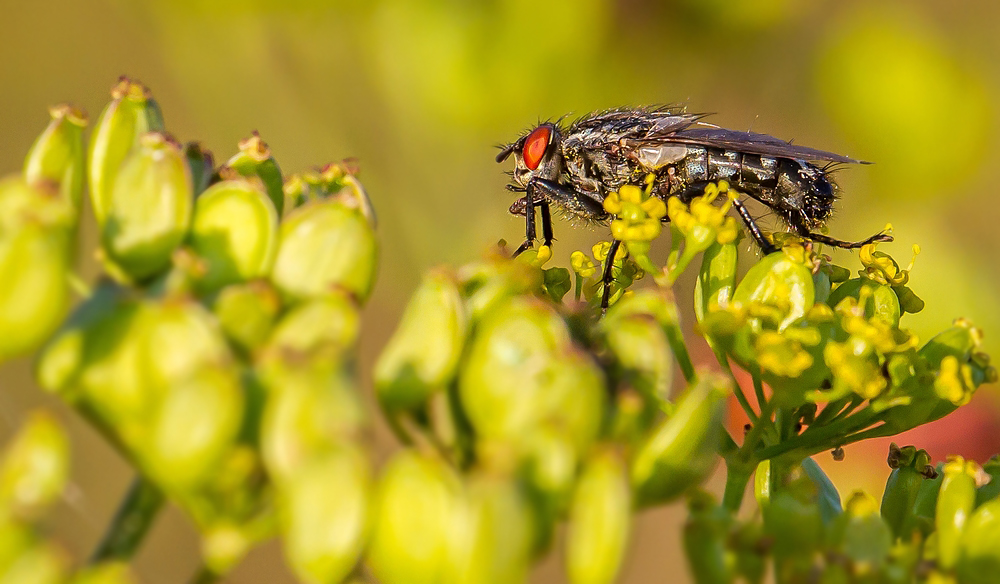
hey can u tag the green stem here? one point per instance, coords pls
(740, 396)
(738, 475)
(579, 287)
(758, 388)
(821, 438)
(131, 522)
(676, 340)
(831, 411)
(758, 429)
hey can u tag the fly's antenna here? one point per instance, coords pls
(505, 151)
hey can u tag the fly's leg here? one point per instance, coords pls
(755, 232)
(608, 276)
(804, 232)
(546, 224)
(572, 200)
(529, 221)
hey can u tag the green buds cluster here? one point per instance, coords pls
(216, 351)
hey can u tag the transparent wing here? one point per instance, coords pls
(750, 143)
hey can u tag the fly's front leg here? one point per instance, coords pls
(804, 232)
(569, 199)
(529, 221)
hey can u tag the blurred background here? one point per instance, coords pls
(420, 92)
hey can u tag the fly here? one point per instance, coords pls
(574, 168)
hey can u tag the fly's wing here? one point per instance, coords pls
(750, 143)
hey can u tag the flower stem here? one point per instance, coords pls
(740, 396)
(738, 475)
(131, 522)
(822, 438)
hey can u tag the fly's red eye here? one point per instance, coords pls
(535, 145)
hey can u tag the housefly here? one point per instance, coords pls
(574, 167)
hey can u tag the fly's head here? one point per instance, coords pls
(536, 155)
(809, 191)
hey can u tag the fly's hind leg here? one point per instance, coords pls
(607, 277)
(804, 232)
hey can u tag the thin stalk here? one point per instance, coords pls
(830, 411)
(131, 522)
(756, 432)
(820, 436)
(676, 340)
(758, 388)
(738, 475)
(737, 389)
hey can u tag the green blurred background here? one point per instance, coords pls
(421, 92)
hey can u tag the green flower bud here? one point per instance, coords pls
(329, 324)
(36, 204)
(149, 208)
(324, 509)
(202, 165)
(492, 540)
(247, 313)
(119, 357)
(254, 160)
(959, 341)
(910, 467)
(311, 409)
(954, 506)
(879, 300)
(861, 535)
(422, 356)
(680, 452)
(522, 369)
(106, 573)
(599, 520)
(34, 468)
(643, 358)
(705, 537)
(782, 280)
(57, 154)
(131, 113)
(717, 278)
(490, 283)
(924, 506)
(234, 229)
(557, 283)
(549, 468)
(419, 511)
(979, 562)
(34, 295)
(324, 246)
(194, 426)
